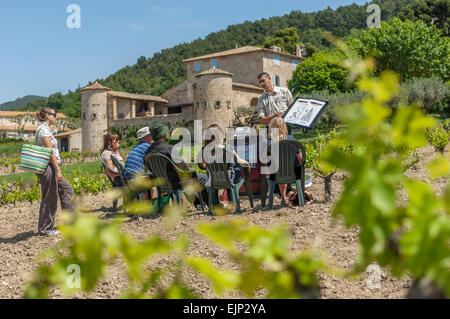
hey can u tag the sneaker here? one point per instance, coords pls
(285, 203)
(199, 207)
(49, 233)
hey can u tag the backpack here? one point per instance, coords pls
(293, 198)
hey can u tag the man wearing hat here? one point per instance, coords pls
(160, 133)
(135, 160)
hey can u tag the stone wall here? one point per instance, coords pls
(123, 108)
(172, 121)
(75, 142)
(177, 95)
(244, 97)
(284, 70)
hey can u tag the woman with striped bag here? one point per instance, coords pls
(53, 184)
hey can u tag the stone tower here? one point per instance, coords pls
(94, 121)
(213, 94)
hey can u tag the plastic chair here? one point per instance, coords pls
(159, 165)
(286, 173)
(107, 169)
(122, 170)
(220, 180)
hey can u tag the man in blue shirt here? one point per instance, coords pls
(135, 160)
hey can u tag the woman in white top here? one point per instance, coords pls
(53, 184)
(111, 144)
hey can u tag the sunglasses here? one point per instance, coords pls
(54, 114)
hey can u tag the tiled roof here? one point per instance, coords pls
(78, 130)
(140, 97)
(242, 50)
(15, 128)
(248, 86)
(14, 113)
(213, 71)
(95, 86)
(173, 88)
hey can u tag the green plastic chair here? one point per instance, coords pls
(221, 180)
(286, 173)
(121, 170)
(159, 165)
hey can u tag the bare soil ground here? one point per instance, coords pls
(311, 225)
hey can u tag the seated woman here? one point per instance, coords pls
(216, 138)
(280, 124)
(111, 146)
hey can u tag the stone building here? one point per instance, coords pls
(23, 124)
(216, 85)
(101, 107)
(244, 64)
(69, 141)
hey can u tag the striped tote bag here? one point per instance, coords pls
(35, 158)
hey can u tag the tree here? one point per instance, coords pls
(411, 49)
(320, 72)
(431, 12)
(287, 39)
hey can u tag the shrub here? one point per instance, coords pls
(410, 49)
(320, 72)
(335, 99)
(428, 93)
(438, 137)
(431, 94)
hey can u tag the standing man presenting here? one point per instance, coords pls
(273, 102)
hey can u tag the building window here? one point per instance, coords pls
(120, 116)
(198, 66)
(217, 105)
(294, 64)
(175, 110)
(204, 104)
(214, 63)
(276, 60)
(84, 116)
(276, 80)
(229, 104)
(94, 116)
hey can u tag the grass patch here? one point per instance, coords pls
(310, 136)
(10, 149)
(68, 170)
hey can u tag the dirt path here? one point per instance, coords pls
(311, 225)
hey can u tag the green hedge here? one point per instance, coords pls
(431, 94)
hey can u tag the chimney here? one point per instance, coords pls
(275, 48)
(298, 50)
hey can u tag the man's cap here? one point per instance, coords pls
(159, 131)
(143, 132)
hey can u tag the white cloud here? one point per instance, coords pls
(135, 27)
(193, 25)
(159, 9)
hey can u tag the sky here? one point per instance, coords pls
(41, 55)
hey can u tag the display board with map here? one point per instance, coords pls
(304, 112)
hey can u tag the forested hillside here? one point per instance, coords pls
(20, 102)
(156, 74)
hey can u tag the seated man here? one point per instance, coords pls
(135, 160)
(160, 133)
